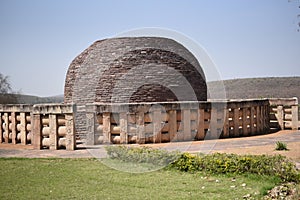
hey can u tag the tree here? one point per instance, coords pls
(5, 86)
(7, 95)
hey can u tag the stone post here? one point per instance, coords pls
(245, 121)
(200, 131)
(157, 120)
(258, 119)
(13, 128)
(187, 133)
(90, 128)
(180, 132)
(37, 131)
(123, 128)
(262, 119)
(253, 129)
(23, 128)
(213, 123)
(106, 128)
(70, 129)
(226, 124)
(267, 118)
(173, 125)
(1, 129)
(295, 119)
(140, 126)
(280, 117)
(6, 127)
(236, 121)
(53, 135)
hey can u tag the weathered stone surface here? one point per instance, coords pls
(95, 73)
(133, 69)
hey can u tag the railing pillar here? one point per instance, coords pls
(187, 133)
(23, 128)
(226, 124)
(37, 131)
(173, 125)
(267, 118)
(140, 127)
(280, 117)
(253, 129)
(258, 119)
(70, 136)
(236, 121)
(106, 128)
(245, 121)
(157, 126)
(1, 129)
(213, 124)
(13, 128)
(123, 128)
(200, 133)
(90, 128)
(53, 136)
(6, 127)
(295, 120)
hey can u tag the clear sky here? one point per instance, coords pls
(245, 38)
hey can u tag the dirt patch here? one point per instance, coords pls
(292, 153)
(263, 144)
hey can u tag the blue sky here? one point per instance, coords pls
(249, 38)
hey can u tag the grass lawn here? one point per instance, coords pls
(22, 178)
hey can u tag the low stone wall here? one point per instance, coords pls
(175, 121)
(284, 113)
(52, 126)
(15, 121)
(43, 126)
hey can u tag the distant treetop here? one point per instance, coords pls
(5, 86)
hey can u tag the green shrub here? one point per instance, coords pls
(231, 163)
(217, 163)
(281, 146)
(141, 155)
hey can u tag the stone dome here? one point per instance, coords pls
(135, 69)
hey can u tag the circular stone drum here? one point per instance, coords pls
(135, 69)
(131, 70)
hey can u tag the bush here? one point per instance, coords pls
(217, 163)
(141, 155)
(231, 163)
(280, 146)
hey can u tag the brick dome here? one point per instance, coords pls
(135, 69)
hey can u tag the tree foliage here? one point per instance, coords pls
(5, 86)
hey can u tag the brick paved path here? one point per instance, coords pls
(196, 146)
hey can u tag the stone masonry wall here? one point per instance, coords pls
(133, 69)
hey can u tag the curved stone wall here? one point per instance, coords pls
(132, 70)
(137, 69)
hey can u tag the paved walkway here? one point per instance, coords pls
(247, 142)
(195, 146)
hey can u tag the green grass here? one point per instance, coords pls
(90, 179)
(281, 146)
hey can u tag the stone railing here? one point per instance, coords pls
(43, 126)
(52, 126)
(284, 113)
(175, 121)
(15, 121)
